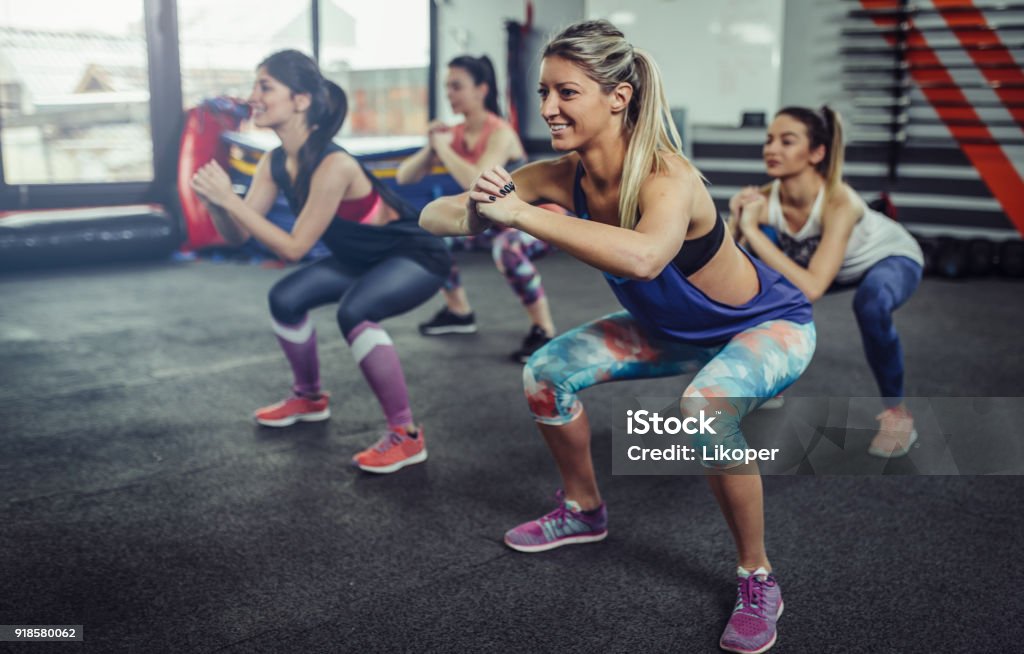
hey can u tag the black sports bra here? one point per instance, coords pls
(694, 254)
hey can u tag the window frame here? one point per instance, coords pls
(166, 122)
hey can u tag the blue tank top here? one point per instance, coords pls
(671, 306)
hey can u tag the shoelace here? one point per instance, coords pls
(559, 516)
(561, 513)
(387, 441)
(750, 594)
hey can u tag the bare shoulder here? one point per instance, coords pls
(508, 141)
(844, 201)
(843, 209)
(341, 161)
(677, 174)
(559, 166)
(505, 132)
(677, 169)
(549, 179)
(687, 189)
(338, 165)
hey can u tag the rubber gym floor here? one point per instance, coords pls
(138, 499)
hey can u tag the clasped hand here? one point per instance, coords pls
(493, 198)
(213, 184)
(749, 205)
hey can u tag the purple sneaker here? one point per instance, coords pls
(565, 525)
(751, 629)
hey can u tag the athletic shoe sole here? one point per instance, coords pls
(291, 420)
(767, 647)
(452, 329)
(394, 467)
(877, 451)
(570, 540)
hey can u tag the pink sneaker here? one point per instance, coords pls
(896, 435)
(566, 525)
(293, 409)
(751, 628)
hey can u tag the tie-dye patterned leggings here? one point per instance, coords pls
(513, 252)
(734, 378)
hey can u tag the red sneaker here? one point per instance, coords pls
(395, 450)
(293, 409)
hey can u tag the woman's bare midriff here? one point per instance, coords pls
(384, 215)
(729, 277)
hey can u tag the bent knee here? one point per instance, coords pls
(871, 304)
(284, 308)
(550, 399)
(350, 317)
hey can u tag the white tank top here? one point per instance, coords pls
(874, 237)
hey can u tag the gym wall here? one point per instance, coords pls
(737, 56)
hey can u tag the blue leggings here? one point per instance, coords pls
(883, 289)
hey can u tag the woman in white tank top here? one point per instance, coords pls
(828, 238)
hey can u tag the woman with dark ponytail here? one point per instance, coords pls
(827, 237)
(382, 264)
(693, 302)
(481, 141)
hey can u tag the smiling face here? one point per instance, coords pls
(273, 103)
(787, 148)
(574, 106)
(464, 95)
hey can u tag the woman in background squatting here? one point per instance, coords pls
(827, 237)
(382, 264)
(694, 301)
(483, 140)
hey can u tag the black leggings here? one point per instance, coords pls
(390, 288)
